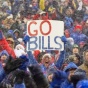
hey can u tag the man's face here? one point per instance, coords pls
(16, 34)
(75, 50)
(76, 60)
(70, 74)
(10, 43)
(46, 62)
(3, 57)
(86, 56)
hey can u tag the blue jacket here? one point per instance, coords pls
(2, 73)
(25, 63)
(60, 61)
(66, 84)
(69, 66)
(31, 58)
(82, 84)
(3, 76)
(22, 85)
(58, 78)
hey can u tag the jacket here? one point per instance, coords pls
(5, 46)
(85, 68)
(66, 84)
(58, 78)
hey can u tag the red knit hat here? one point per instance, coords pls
(36, 53)
(78, 27)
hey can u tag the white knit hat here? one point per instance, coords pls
(47, 55)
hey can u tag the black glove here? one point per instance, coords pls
(19, 74)
(29, 81)
(38, 76)
(12, 64)
(5, 85)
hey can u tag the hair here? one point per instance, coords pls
(46, 56)
(85, 52)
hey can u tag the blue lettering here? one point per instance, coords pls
(39, 42)
(32, 43)
(49, 43)
(55, 39)
(43, 43)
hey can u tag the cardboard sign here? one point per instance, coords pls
(45, 35)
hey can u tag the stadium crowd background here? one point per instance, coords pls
(50, 68)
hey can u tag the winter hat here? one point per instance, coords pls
(10, 33)
(20, 40)
(5, 3)
(70, 41)
(78, 27)
(82, 43)
(47, 55)
(10, 39)
(16, 30)
(10, 16)
(36, 53)
(75, 46)
(82, 84)
(4, 52)
(19, 46)
(19, 50)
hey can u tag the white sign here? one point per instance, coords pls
(45, 35)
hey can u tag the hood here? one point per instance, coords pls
(4, 52)
(16, 30)
(71, 65)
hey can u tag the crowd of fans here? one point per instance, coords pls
(50, 68)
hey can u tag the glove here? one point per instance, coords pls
(26, 39)
(38, 76)
(5, 85)
(29, 82)
(25, 63)
(63, 39)
(1, 35)
(20, 74)
(12, 64)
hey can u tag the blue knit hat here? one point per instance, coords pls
(4, 52)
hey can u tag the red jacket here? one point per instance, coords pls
(5, 46)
